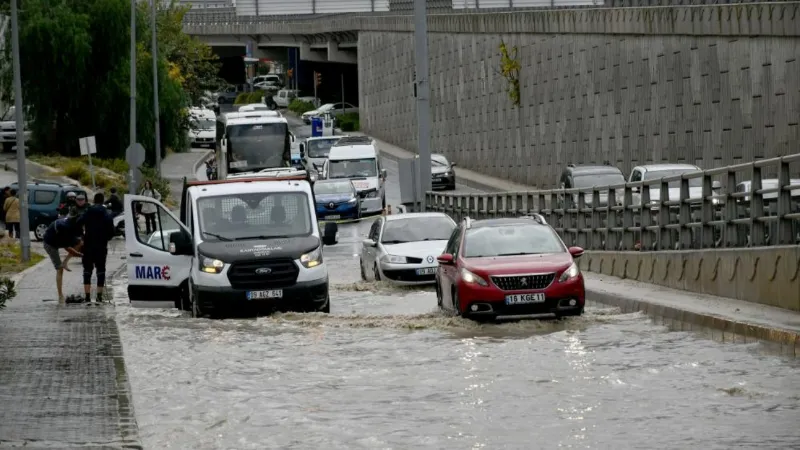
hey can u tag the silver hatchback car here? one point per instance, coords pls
(402, 248)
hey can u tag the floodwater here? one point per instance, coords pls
(385, 370)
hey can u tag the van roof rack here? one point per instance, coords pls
(353, 140)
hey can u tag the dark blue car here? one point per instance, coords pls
(337, 200)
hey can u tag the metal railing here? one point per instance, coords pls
(761, 211)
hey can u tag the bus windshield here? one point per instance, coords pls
(257, 146)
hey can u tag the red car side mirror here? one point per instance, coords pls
(445, 259)
(576, 252)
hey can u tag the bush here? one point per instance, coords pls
(242, 99)
(299, 107)
(7, 291)
(348, 122)
(255, 97)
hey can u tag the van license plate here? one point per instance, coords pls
(261, 295)
(426, 271)
(524, 299)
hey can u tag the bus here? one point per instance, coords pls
(252, 141)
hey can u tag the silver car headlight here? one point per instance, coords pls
(393, 259)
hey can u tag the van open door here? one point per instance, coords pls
(156, 277)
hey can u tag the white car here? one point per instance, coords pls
(402, 248)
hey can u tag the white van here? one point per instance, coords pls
(284, 97)
(202, 131)
(252, 141)
(243, 243)
(357, 158)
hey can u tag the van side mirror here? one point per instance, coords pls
(331, 234)
(302, 150)
(383, 173)
(180, 243)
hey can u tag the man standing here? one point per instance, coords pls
(80, 204)
(61, 234)
(114, 203)
(98, 229)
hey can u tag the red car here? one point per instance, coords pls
(509, 267)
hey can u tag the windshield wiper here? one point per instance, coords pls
(515, 254)
(394, 242)
(221, 238)
(261, 236)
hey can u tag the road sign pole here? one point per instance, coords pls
(315, 86)
(19, 112)
(423, 100)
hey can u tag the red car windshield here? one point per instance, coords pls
(510, 240)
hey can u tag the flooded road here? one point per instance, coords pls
(385, 370)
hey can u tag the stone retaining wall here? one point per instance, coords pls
(768, 275)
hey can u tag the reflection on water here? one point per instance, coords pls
(385, 370)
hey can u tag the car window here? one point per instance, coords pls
(510, 240)
(417, 229)
(598, 179)
(158, 234)
(43, 197)
(452, 244)
(375, 230)
(259, 215)
(636, 176)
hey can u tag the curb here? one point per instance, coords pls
(18, 277)
(200, 162)
(721, 329)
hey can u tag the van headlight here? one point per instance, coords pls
(312, 258)
(571, 272)
(392, 259)
(210, 265)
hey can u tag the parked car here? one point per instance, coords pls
(8, 129)
(45, 200)
(335, 109)
(443, 174)
(657, 171)
(228, 95)
(509, 267)
(402, 248)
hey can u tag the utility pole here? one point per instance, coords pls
(423, 100)
(133, 167)
(155, 85)
(19, 113)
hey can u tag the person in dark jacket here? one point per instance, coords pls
(61, 234)
(114, 203)
(98, 229)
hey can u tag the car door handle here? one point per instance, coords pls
(136, 255)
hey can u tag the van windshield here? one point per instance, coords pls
(257, 146)
(202, 124)
(353, 168)
(254, 216)
(320, 148)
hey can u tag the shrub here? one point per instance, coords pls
(75, 170)
(299, 107)
(7, 291)
(255, 97)
(348, 122)
(242, 98)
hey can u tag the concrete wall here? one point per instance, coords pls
(768, 275)
(713, 85)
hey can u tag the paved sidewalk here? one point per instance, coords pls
(178, 165)
(63, 382)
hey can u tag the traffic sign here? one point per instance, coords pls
(135, 155)
(88, 145)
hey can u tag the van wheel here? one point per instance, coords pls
(376, 273)
(182, 302)
(197, 313)
(361, 266)
(383, 202)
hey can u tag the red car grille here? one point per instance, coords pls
(524, 282)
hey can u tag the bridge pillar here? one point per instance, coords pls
(335, 54)
(309, 54)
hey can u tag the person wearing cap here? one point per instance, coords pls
(98, 229)
(61, 234)
(69, 202)
(80, 205)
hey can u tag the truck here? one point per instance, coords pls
(239, 244)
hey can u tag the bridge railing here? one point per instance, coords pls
(759, 205)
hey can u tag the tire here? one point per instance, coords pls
(194, 305)
(39, 230)
(361, 266)
(456, 304)
(182, 302)
(452, 187)
(570, 314)
(383, 201)
(376, 273)
(439, 302)
(327, 308)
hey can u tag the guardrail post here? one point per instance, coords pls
(542, 208)
(730, 236)
(611, 220)
(598, 236)
(519, 204)
(552, 217)
(667, 234)
(757, 237)
(582, 239)
(530, 203)
(684, 216)
(628, 237)
(646, 221)
(784, 232)
(707, 210)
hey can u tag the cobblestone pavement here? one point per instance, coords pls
(63, 382)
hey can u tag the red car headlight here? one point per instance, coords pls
(572, 272)
(471, 278)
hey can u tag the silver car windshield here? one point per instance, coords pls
(510, 240)
(417, 229)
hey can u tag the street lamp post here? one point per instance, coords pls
(423, 100)
(131, 165)
(19, 113)
(155, 85)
